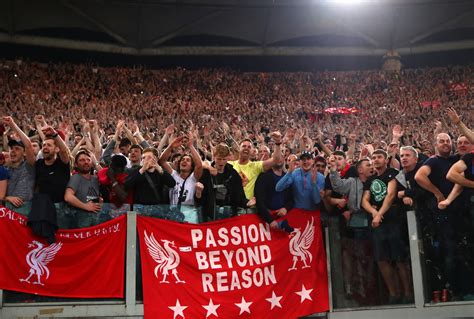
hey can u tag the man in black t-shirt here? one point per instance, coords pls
(380, 192)
(432, 177)
(220, 192)
(462, 173)
(466, 166)
(53, 173)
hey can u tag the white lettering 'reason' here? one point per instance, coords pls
(237, 235)
(235, 280)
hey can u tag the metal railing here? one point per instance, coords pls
(131, 307)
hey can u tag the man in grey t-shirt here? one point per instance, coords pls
(22, 171)
(82, 192)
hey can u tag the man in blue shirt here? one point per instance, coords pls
(305, 182)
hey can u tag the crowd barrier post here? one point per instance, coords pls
(130, 263)
(416, 246)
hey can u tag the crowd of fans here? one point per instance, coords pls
(91, 143)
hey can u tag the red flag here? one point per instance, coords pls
(82, 263)
(234, 268)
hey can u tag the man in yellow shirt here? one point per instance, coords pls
(249, 170)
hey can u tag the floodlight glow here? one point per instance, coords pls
(345, 1)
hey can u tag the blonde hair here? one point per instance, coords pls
(221, 150)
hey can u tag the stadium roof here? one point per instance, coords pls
(241, 27)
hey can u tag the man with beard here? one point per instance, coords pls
(271, 204)
(306, 183)
(82, 192)
(21, 171)
(220, 192)
(249, 170)
(189, 171)
(380, 192)
(432, 177)
(53, 173)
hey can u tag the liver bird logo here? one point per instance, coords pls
(38, 259)
(166, 257)
(300, 243)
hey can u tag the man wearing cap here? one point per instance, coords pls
(53, 173)
(21, 171)
(306, 183)
(117, 201)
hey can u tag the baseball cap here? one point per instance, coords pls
(306, 154)
(118, 161)
(13, 143)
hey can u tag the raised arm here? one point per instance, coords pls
(455, 119)
(166, 137)
(64, 153)
(29, 152)
(139, 137)
(39, 123)
(324, 148)
(276, 156)
(94, 127)
(196, 157)
(163, 161)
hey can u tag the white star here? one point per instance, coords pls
(304, 294)
(211, 309)
(178, 309)
(244, 306)
(274, 300)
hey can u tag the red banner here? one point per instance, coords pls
(82, 263)
(234, 268)
(459, 88)
(433, 104)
